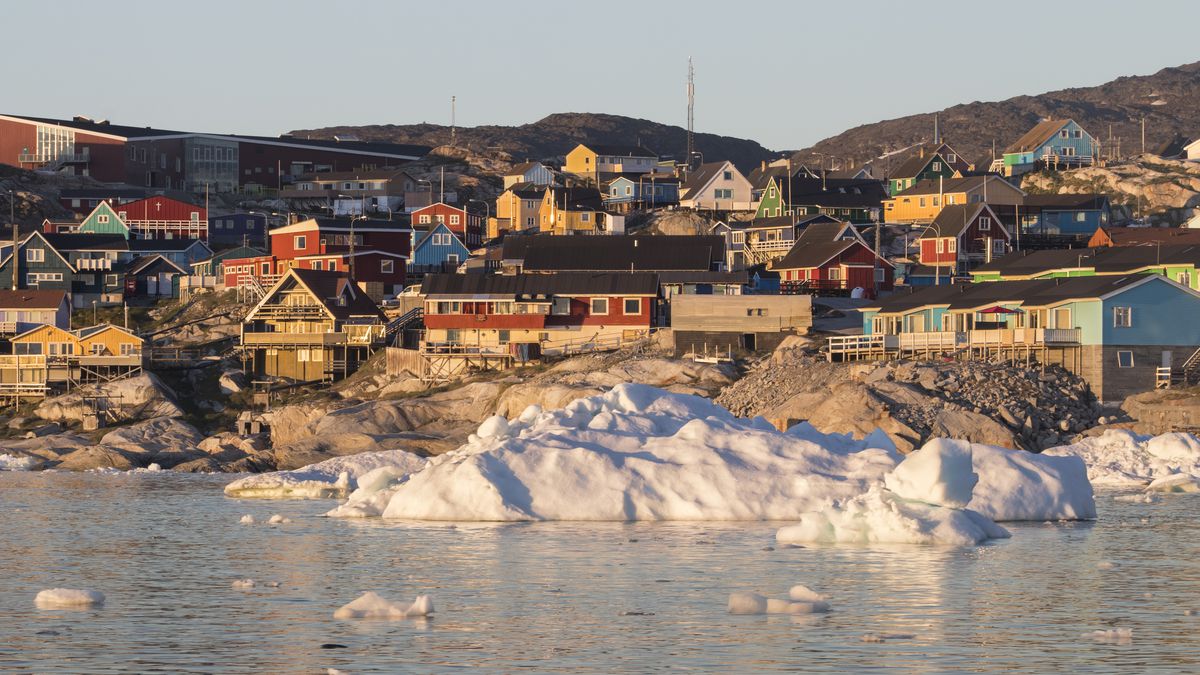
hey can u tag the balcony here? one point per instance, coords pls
(941, 342)
(293, 339)
(40, 159)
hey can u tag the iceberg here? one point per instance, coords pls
(18, 462)
(1122, 458)
(332, 478)
(371, 605)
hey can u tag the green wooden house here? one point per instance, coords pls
(1178, 262)
(848, 199)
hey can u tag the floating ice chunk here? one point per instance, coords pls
(747, 603)
(1137, 499)
(1178, 482)
(332, 478)
(1020, 485)
(1120, 457)
(278, 520)
(880, 517)
(1106, 565)
(884, 637)
(801, 593)
(67, 598)
(17, 463)
(939, 473)
(371, 605)
(244, 583)
(1117, 636)
(246, 519)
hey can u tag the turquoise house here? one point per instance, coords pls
(104, 220)
(438, 250)
(1121, 334)
(1051, 144)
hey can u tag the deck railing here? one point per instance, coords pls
(946, 341)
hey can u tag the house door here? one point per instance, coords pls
(1167, 358)
(748, 341)
(151, 285)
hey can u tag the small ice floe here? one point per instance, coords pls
(1115, 636)
(1189, 612)
(371, 605)
(246, 519)
(1106, 565)
(335, 671)
(1176, 482)
(1146, 498)
(68, 598)
(800, 600)
(884, 637)
(332, 478)
(637, 613)
(17, 463)
(244, 584)
(279, 520)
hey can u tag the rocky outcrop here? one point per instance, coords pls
(983, 402)
(1165, 191)
(140, 397)
(1163, 411)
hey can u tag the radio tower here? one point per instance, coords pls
(691, 91)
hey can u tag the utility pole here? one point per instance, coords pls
(453, 129)
(691, 109)
(12, 218)
(1143, 134)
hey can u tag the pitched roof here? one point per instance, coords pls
(1140, 236)
(328, 286)
(469, 286)
(522, 168)
(87, 242)
(173, 245)
(617, 253)
(953, 220)
(696, 180)
(1030, 293)
(964, 184)
(815, 254)
(834, 192)
(1035, 137)
(1110, 260)
(576, 198)
(1066, 201)
(31, 299)
(142, 264)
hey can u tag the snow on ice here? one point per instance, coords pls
(334, 477)
(1120, 457)
(17, 462)
(68, 598)
(371, 605)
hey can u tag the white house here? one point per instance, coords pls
(1192, 151)
(529, 172)
(716, 186)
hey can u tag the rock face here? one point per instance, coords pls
(1163, 411)
(983, 402)
(141, 397)
(1164, 190)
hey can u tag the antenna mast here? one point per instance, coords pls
(452, 127)
(691, 95)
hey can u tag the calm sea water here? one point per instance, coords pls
(590, 598)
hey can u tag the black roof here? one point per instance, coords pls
(576, 198)
(100, 126)
(702, 175)
(533, 286)
(1034, 292)
(104, 193)
(328, 286)
(620, 150)
(616, 253)
(806, 256)
(1112, 260)
(953, 219)
(1067, 201)
(834, 192)
(70, 241)
(161, 244)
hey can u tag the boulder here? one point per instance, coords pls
(99, 457)
(231, 382)
(140, 397)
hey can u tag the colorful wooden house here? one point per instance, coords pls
(22, 310)
(311, 325)
(597, 162)
(930, 162)
(716, 186)
(1051, 144)
(436, 251)
(468, 226)
(1116, 332)
(921, 203)
(517, 209)
(641, 191)
(532, 173)
(570, 211)
(853, 200)
(1178, 262)
(835, 267)
(962, 236)
(1079, 215)
(71, 357)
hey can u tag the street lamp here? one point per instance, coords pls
(267, 225)
(487, 211)
(93, 312)
(430, 184)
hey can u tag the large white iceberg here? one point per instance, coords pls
(332, 478)
(1120, 457)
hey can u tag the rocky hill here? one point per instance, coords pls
(555, 135)
(1162, 191)
(1166, 99)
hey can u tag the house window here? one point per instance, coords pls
(332, 265)
(128, 349)
(835, 274)
(772, 193)
(952, 246)
(937, 166)
(452, 258)
(599, 305)
(998, 247)
(921, 202)
(386, 266)
(952, 158)
(266, 268)
(585, 217)
(1063, 133)
(1122, 317)
(102, 219)
(561, 307)
(880, 275)
(1124, 359)
(110, 280)
(299, 242)
(728, 175)
(937, 201)
(633, 305)
(505, 336)
(738, 237)
(35, 255)
(941, 245)
(423, 219)
(985, 223)
(454, 219)
(316, 265)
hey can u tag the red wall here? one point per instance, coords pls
(107, 162)
(135, 168)
(469, 227)
(261, 161)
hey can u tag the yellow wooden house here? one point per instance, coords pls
(95, 354)
(570, 211)
(597, 162)
(922, 202)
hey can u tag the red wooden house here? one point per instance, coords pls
(963, 235)
(468, 226)
(492, 311)
(163, 218)
(833, 267)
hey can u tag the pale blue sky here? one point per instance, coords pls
(786, 74)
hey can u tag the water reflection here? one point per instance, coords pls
(576, 597)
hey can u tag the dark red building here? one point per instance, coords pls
(468, 226)
(833, 267)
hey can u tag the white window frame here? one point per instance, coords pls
(985, 223)
(455, 219)
(625, 306)
(35, 255)
(387, 266)
(102, 219)
(1119, 359)
(1122, 317)
(592, 306)
(299, 242)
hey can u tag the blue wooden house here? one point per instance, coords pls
(436, 251)
(640, 191)
(1117, 333)
(1066, 214)
(237, 229)
(1051, 144)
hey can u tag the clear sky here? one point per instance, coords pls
(786, 74)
